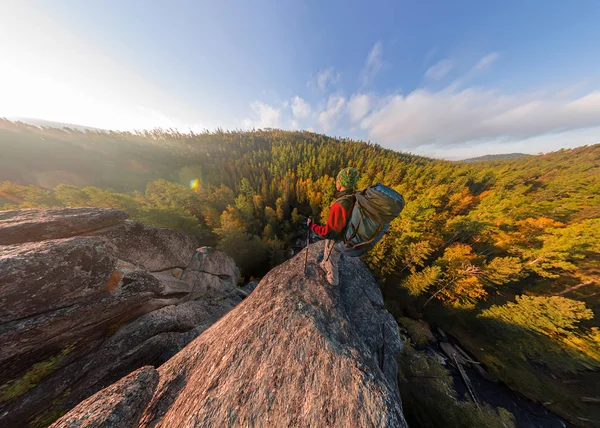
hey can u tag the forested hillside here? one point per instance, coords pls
(503, 254)
(496, 157)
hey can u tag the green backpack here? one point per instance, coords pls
(374, 209)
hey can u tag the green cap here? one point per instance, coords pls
(348, 178)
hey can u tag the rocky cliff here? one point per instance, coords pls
(90, 300)
(296, 352)
(87, 297)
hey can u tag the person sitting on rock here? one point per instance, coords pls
(339, 215)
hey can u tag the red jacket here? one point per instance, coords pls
(339, 215)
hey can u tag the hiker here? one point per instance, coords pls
(357, 220)
(339, 215)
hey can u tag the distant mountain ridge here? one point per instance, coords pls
(41, 123)
(52, 124)
(503, 156)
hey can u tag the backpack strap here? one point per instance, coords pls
(347, 201)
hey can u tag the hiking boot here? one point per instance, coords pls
(328, 273)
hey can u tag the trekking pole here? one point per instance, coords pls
(307, 244)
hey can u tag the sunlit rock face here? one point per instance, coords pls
(296, 352)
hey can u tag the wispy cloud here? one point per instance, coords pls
(430, 54)
(324, 78)
(373, 64)
(439, 70)
(486, 61)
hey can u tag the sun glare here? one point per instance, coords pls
(49, 74)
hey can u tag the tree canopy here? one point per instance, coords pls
(514, 240)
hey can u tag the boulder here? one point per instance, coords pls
(31, 225)
(215, 262)
(167, 329)
(76, 317)
(171, 285)
(50, 275)
(58, 293)
(296, 352)
(205, 284)
(150, 339)
(211, 273)
(251, 286)
(155, 249)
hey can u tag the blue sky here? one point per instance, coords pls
(445, 79)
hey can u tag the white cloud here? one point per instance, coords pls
(358, 107)
(329, 117)
(300, 108)
(324, 78)
(451, 117)
(450, 123)
(264, 116)
(486, 61)
(373, 64)
(439, 70)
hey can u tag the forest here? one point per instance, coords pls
(503, 254)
